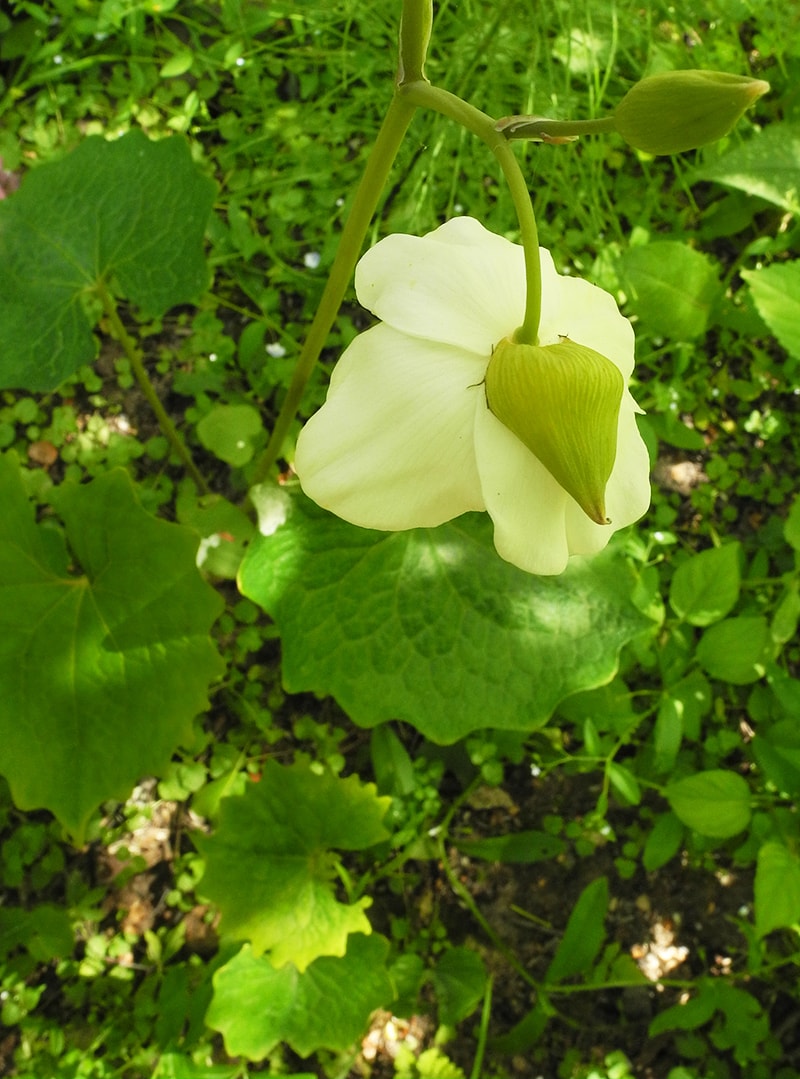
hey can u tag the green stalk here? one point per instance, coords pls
(433, 97)
(483, 1030)
(134, 356)
(379, 164)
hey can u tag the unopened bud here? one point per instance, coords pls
(681, 110)
(562, 401)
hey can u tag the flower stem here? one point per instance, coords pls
(379, 164)
(540, 129)
(434, 97)
(134, 357)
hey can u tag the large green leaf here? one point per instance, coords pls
(102, 670)
(129, 214)
(328, 1006)
(767, 166)
(776, 291)
(270, 865)
(431, 626)
(671, 288)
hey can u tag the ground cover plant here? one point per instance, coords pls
(285, 795)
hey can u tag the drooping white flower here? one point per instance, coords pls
(406, 439)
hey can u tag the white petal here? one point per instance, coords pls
(527, 505)
(586, 314)
(392, 447)
(628, 490)
(460, 285)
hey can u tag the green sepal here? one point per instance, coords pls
(681, 110)
(562, 401)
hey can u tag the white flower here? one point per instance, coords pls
(405, 438)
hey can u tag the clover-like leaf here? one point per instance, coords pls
(431, 626)
(102, 669)
(129, 214)
(270, 864)
(328, 1006)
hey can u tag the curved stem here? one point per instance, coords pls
(379, 164)
(433, 97)
(134, 356)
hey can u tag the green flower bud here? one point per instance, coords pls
(562, 401)
(681, 110)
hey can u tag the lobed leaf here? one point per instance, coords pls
(128, 213)
(104, 669)
(270, 866)
(407, 625)
(328, 1006)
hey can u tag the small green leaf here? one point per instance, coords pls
(45, 932)
(689, 1014)
(777, 751)
(663, 843)
(777, 889)
(129, 213)
(706, 587)
(328, 1006)
(693, 696)
(591, 739)
(584, 934)
(624, 782)
(230, 432)
(459, 979)
(735, 650)
(714, 803)
(783, 627)
(671, 287)
(102, 670)
(791, 530)
(522, 847)
(224, 528)
(776, 291)
(178, 64)
(396, 625)
(528, 1031)
(270, 865)
(667, 733)
(391, 764)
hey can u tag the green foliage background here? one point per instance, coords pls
(335, 717)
